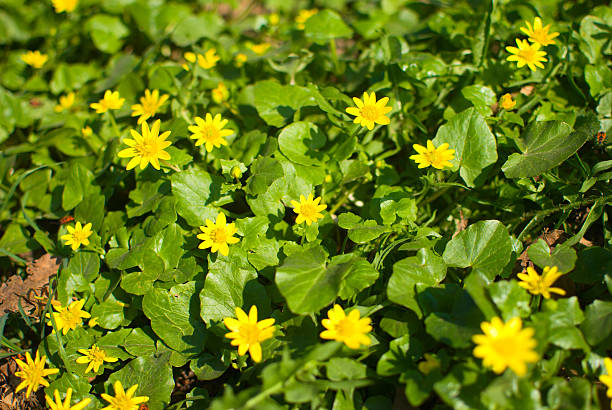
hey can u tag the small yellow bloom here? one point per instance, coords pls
(64, 5)
(541, 285)
(259, 49)
(505, 345)
(93, 322)
(69, 317)
(209, 59)
(308, 209)
(146, 148)
(527, 54)
(95, 357)
(273, 19)
(58, 405)
(77, 235)
(247, 333)
(123, 400)
(220, 93)
(351, 329)
(429, 364)
(303, 16)
(370, 111)
(34, 58)
(189, 57)
(607, 378)
(149, 105)
(217, 235)
(210, 132)
(436, 157)
(240, 59)
(65, 102)
(110, 101)
(506, 102)
(539, 34)
(236, 172)
(33, 373)
(86, 131)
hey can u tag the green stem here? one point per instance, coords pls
(334, 54)
(114, 124)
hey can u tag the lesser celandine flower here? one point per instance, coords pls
(607, 378)
(539, 34)
(110, 101)
(220, 93)
(370, 111)
(541, 285)
(429, 364)
(210, 131)
(64, 5)
(77, 235)
(349, 329)
(308, 209)
(65, 102)
(217, 235)
(95, 357)
(273, 19)
(33, 373)
(506, 102)
(259, 49)
(34, 58)
(247, 333)
(303, 16)
(86, 131)
(505, 345)
(123, 400)
(240, 59)
(69, 317)
(146, 148)
(526, 54)
(58, 405)
(149, 105)
(431, 156)
(208, 59)
(189, 57)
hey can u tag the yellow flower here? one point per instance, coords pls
(145, 148)
(350, 329)
(541, 285)
(210, 132)
(607, 378)
(527, 54)
(429, 364)
(123, 400)
(247, 333)
(34, 58)
(58, 405)
(370, 111)
(190, 57)
(217, 235)
(65, 102)
(436, 157)
(236, 172)
(539, 34)
(506, 102)
(303, 16)
(273, 19)
(64, 5)
(110, 101)
(149, 104)
(209, 59)
(69, 317)
(33, 373)
(240, 58)
(308, 209)
(259, 49)
(87, 131)
(77, 235)
(95, 357)
(220, 93)
(505, 345)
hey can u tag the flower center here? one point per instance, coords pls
(347, 328)
(70, 318)
(123, 402)
(149, 106)
(146, 149)
(209, 133)
(249, 333)
(505, 347)
(219, 235)
(369, 112)
(528, 54)
(78, 236)
(33, 374)
(308, 210)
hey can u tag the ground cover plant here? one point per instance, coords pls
(305, 204)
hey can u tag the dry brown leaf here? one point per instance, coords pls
(461, 224)
(527, 90)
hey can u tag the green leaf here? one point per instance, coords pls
(193, 28)
(481, 97)
(592, 266)
(112, 343)
(110, 313)
(326, 25)
(85, 264)
(449, 332)
(168, 245)
(140, 342)
(194, 189)
(484, 246)
(14, 239)
(300, 143)
(304, 274)
(78, 184)
(510, 299)
(546, 144)
(562, 257)
(360, 276)
(71, 77)
(225, 283)
(474, 144)
(264, 171)
(106, 32)
(341, 368)
(174, 317)
(277, 103)
(366, 231)
(597, 324)
(424, 269)
(598, 77)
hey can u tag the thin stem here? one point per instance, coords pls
(334, 54)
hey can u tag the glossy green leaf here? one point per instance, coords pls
(301, 141)
(326, 25)
(277, 103)
(194, 190)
